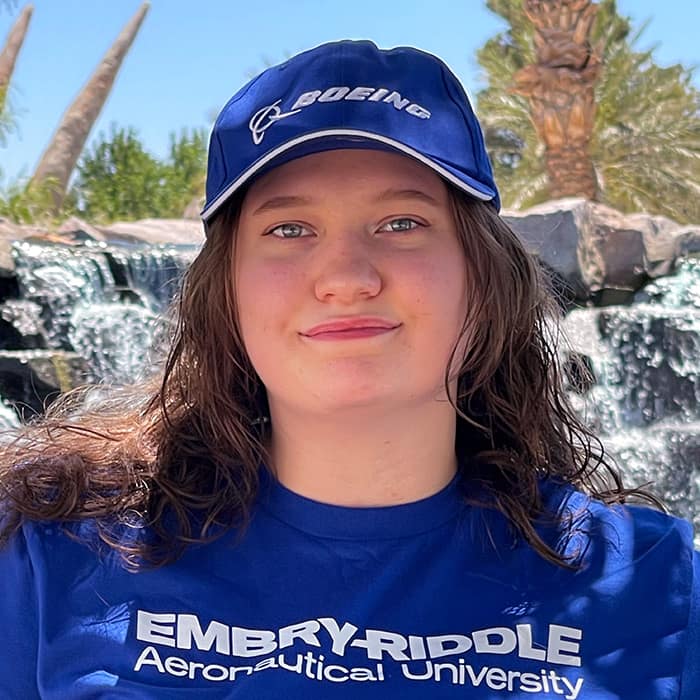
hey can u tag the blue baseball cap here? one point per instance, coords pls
(349, 94)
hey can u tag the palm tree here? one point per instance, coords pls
(571, 108)
(8, 58)
(62, 153)
(559, 87)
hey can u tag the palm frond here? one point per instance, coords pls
(646, 140)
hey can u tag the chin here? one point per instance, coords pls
(337, 396)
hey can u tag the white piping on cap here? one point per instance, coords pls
(211, 209)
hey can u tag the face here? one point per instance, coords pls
(350, 281)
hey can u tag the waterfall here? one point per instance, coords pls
(645, 402)
(102, 303)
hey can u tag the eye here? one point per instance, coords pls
(403, 224)
(287, 231)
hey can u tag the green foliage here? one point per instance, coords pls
(27, 204)
(185, 169)
(646, 143)
(515, 150)
(6, 119)
(117, 179)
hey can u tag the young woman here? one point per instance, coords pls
(357, 474)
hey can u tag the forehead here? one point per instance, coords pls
(349, 169)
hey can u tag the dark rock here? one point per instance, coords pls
(552, 233)
(80, 231)
(31, 379)
(604, 255)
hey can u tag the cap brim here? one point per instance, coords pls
(335, 139)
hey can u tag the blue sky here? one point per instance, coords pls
(190, 56)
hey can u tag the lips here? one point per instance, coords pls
(351, 324)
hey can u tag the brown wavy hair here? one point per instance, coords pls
(180, 454)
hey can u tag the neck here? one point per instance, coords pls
(365, 458)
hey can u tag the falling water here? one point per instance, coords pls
(103, 302)
(645, 402)
(54, 278)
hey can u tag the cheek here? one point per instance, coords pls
(441, 290)
(265, 292)
(441, 294)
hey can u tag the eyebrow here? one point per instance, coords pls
(285, 201)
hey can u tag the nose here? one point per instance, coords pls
(345, 271)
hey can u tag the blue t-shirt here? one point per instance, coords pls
(433, 599)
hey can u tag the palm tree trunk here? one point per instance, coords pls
(10, 51)
(560, 89)
(62, 153)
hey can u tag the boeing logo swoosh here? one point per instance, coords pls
(263, 119)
